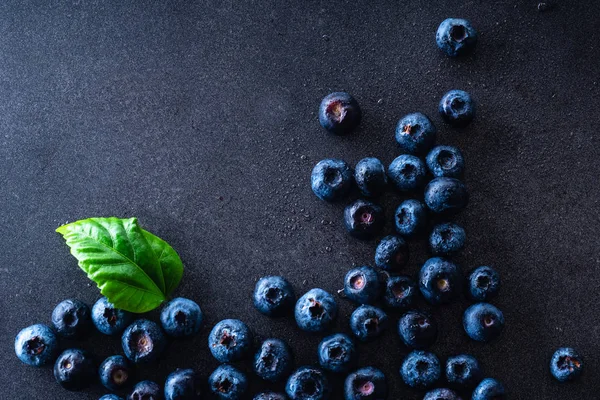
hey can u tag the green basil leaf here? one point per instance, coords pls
(172, 267)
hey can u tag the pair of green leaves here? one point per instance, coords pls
(133, 268)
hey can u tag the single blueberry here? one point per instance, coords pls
(407, 172)
(115, 372)
(230, 340)
(337, 353)
(447, 239)
(457, 108)
(463, 371)
(456, 37)
(36, 345)
(400, 292)
(392, 253)
(364, 219)
(483, 322)
(274, 296)
(273, 360)
(228, 383)
(441, 394)
(74, 369)
(410, 218)
(415, 133)
(366, 383)
(108, 319)
(315, 311)
(370, 177)
(420, 369)
(484, 283)
(566, 364)
(146, 390)
(489, 389)
(308, 383)
(270, 396)
(417, 330)
(440, 281)
(445, 161)
(446, 195)
(111, 397)
(339, 113)
(362, 285)
(183, 384)
(368, 322)
(143, 341)
(71, 319)
(331, 179)
(181, 317)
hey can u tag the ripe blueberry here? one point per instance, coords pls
(228, 383)
(457, 108)
(484, 284)
(417, 330)
(331, 179)
(143, 341)
(370, 177)
(115, 372)
(145, 390)
(368, 322)
(420, 369)
(415, 133)
(74, 369)
(364, 219)
(108, 319)
(463, 371)
(111, 397)
(183, 384)
(274, 296)
(181, 317)
(446, 195)
(315, 311)
(407, 172)
(366, 383)
(566, 364)
(362, 285)
(410, 218)
(308, 383)
(456, 37)
(441, 394)
(445, 161)
(230, 340)
(270, 396)
(489, 389)
(273, 361)
(339, 113)
(71, 318)
(483, 322)
(440, 281)
(337, 353)
(400, 292)
(447, 239)
(392, 253)
(36, 345)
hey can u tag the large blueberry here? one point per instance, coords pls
(463, 371)
(183, 384)
(315, 311)
(115, 372)
(270, 396)
(410, 218)
(367, 383)
(446, 161)
(417, 330)
(364, 219)
(447, 239)
(415, 133)
(370, 177)
(362, 285)
(456, 37)
(339, 113)
(440, 281)
(566, 364)
(146, 390)
(230, 340)
(457, 108)
(308, 383)
(181, 317)
(446, 195)
(337, 353)
(420, 369)
(273, 360)
(441, 394)
(392, 253)
(484, 283)
(483, 322)
(143, 341)
(368, 322)
(407, 173)
(72, 318)
(274, 296)
(36, 345)
(331, 179)
(489, 389)
(400, 292)
(75, 369)
(228, 382)
(108, 319)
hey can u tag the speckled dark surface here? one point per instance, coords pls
(200, 118)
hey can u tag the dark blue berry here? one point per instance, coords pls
(337, 353)
(400, 292)
(420, 369)
(445, 161)
(415, 133)
(489, 389)
(75, 369)
(440, 281)
(315, 311)
(417, 330)
(274, 296)
(566, 364)
(368, 322)
(364, 219)
(143, 341)
(370, 177)
(72, 319)
(36, 345)
(447, 239)
(366, 383)
(484, 283)
(308, 383)
(108, 319)
(362, 285)
(446, 195)
(110, 397)
(115, 373)
(463, 371)
(181, 318)
(339, 113)
(331, 179)
(273, 361)
(483, 322)
(410, 218)
(145, 390)
(392, 253)
(183, 384)
(228, 383)
(270, 396)
(457, 108)
(456, 37)
(407, 173)
(441, 394)
(230, 340)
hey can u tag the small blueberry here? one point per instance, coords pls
(274, 296)
(145, 390)
(456, 37)
(457, 108)
(308, 383)
(331, 179)
(362, 285)
(489, 389)
(392, 253)
(270, 396)
(273, 361)
(407, 173)
(415, 133)
(366, 383)
(108, 319)
(417, 330)
(368, 322)
(315, 311)
(143, 341)
(228, 383)
(446, 195)
(410, 218)
(115, 372)
(364, 219)
(440, 281)
(484, 283)
(463, 371)
(400, 292)
(339, 113)
(230, 340)
(566, 364)
(181, 318)
(72, 319)
(337, 353)
(445, 161)
(441, 394)
(36, 345)
(447, 239)
(183, 384)
(110, 397)
(370, 177)
(483, 322)
(420, 369)
(75, 369)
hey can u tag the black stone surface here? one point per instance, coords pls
(200, 118)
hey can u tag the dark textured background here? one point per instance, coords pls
(200, 119)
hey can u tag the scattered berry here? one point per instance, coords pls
(489, 389)
(483, 322)
(331, 179)
(362, 285)
(274, 296)
(364, 219)
(442, 394)
(228, 383)
(143, 341)
(392, 253)
(368, 322)
(420, 369)
(410, 218)
(183, 384)
(339, 113)
(440, 281)
(407, 172)
(457, 108)
(366, 383)
(400, 292)
(445, 161)
(417, 330)
(370, 177)
(273, 361)
(463, 371)
(74, 369)
(308, 383)
(415, 133)
(111, 397)
(337, 353)
(145, 390)
(446, 195)
(566, 364)
(484, 283)
(270, 396)
(181, 318)
(447, 239)
(36, 345)
(230, 340)
(456, 37)
(71, 319)
(108, 319)
(115, 373)
(315, 311)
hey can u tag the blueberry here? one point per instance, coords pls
(274, 296)
(111, 397)
(230, 340)
(108, 319)
(407, 172)
(337, 353)
(463, 371)
(566, 364)
(331, 179)
(362, 285)
(400, 292)
(392, 253)
(36, 345)
(489, 389)
(273, 361)
(270, 396)
(442, 394)
(483, 322)
(366, 383)
(484, 284)
(415, 133)
(410, 218)
(368, 322)
(446, 195)
(445, 161)
(143, 341)
(181, 317)
(420, 369)
(456, 37)
(370, 177)
(364, 219)
(145, 390)
(71, 319)
(457, 108)
(440, 281)
(74, 369)
(183, 384)
(115, 372)
(308, 383)
(417, 330)
(315, 311)
(447, 239)
(228, 383)
(339, 113)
